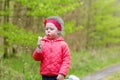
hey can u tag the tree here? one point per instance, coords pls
(46, 8)
(6, 20)
(106, 24)
(32, 9)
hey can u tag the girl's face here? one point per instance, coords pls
(51, 31)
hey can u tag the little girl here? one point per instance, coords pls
(53, 51)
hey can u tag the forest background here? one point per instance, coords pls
(92, 29)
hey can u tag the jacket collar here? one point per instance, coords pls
(56, 39)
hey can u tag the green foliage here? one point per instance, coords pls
(106, 30)
(49, 7)
(5, 12)
(70, 27)
(44, 8)
(18, 36)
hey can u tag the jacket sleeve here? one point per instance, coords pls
(37, 55)
(66, 60)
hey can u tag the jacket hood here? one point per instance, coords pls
(56, 39)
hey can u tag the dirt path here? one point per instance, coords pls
(103, 73)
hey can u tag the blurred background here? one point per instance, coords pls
(92, 31)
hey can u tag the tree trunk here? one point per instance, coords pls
(6, 20)
(88, 25)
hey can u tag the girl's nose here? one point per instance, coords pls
(48, 31)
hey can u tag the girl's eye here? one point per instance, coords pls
(49, 29)
(46, 28)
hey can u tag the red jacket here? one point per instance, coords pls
(55, 57)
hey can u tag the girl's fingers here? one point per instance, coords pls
(39, 38)
(39, 44)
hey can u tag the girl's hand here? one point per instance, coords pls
(60, 77)
(39, 43)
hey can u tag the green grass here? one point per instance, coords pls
(8, 73)
(23, 67)
(87, 62)
(23, 64)
(115, 76)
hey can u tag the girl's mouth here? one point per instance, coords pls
(48, 35)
